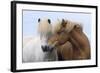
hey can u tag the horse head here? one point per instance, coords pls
(45, 32)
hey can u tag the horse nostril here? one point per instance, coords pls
(44, 48)
(47, 48)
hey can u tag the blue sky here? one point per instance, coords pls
(30, 20)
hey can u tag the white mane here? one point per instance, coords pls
(32, 51)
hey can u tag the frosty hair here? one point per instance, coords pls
(44, 26)
(69, 25)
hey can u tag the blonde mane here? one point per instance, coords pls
(69, 26)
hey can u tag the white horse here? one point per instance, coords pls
(37, 49)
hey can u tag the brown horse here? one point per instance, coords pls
(70, 41)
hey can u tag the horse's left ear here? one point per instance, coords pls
(64, 23)
(49, 21)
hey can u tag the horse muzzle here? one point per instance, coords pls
(47, 48)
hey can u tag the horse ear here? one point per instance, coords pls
(39, 20)
(49, 21)
(63, 23)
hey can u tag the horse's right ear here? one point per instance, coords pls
(49, 21)
(39, 20)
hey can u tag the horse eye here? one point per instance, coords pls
(63, 32)
(58, 32)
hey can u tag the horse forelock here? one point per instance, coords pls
(70, 25)
(44, 27)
